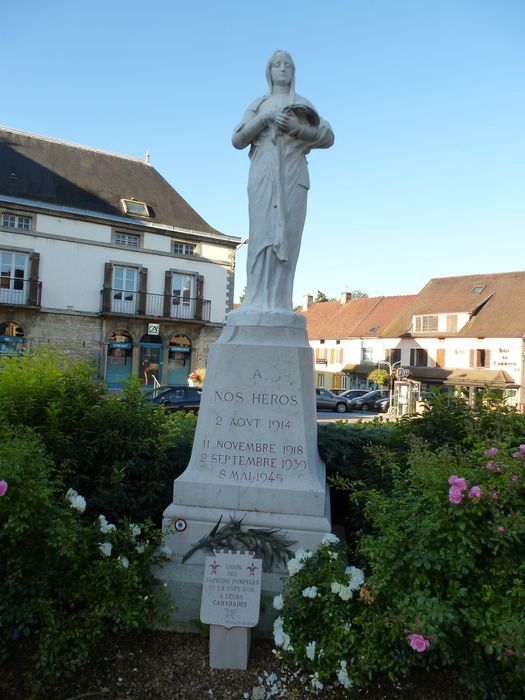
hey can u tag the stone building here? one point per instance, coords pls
(102, 259)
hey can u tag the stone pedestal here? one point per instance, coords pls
(229, 648)
(254, 456)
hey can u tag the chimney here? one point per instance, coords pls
(308, 300)
(345, 297)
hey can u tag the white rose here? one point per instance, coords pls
(105, 548)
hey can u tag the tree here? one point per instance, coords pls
(321, 296)
(379, 376)
(358, 294)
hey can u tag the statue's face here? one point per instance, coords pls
(281, 70)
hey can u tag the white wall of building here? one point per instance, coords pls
(73, 255)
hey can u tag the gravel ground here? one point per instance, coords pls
(170, 666)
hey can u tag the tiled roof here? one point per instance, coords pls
(496, 303)
(364, 317)
(381, 315)
(59, 173)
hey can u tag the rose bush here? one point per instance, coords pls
(446, 550)
(445, 579)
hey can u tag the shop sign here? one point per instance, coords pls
(11, 339)
(153, 328)
(179, 348)
(122, 346)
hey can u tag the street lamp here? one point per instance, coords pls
(243, 242)
(391, 366)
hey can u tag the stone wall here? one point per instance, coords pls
(84, 336)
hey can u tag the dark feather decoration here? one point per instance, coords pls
(268, 545)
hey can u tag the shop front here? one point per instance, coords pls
(118, 359)
(150, 360)
(179, 360)
(12, 339)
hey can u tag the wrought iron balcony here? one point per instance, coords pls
(15, 291)
(129, 303)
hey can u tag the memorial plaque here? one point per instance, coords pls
(231, 590)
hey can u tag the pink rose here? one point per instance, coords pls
(494, 496)
(418, 642)
(490, 465)
(491, 451)
(475, 492)
(501, 530)
(3, 487)
(509, 651)
(458, 481)
(455, 494)
(514, 477)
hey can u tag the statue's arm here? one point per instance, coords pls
(320, 136)
(251, 125)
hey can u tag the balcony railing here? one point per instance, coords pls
(15, 291)
(131, 303)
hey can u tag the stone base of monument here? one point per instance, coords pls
(254, 456)
(184, 580)
(229, 648)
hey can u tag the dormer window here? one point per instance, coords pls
(478, 288)
(135, 208)
(426, 324)
(440, 323)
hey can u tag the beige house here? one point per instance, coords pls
(466, 333)
(101, 258)
(346, 337)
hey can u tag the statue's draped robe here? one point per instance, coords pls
(277, 191)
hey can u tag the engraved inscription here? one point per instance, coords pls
(251, 440)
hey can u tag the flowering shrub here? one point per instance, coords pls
(198, 375)
(67, 579)
(314, 630)
(447, 568)
(445, 583)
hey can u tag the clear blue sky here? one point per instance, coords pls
(426, 99)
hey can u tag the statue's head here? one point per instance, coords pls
(280, 70)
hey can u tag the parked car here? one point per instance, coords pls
(326, 401)
(354, 393)
(382, 405)
(367, 401)
(176, 398)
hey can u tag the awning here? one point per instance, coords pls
(482, 377)
(359, 369)
(429, 374)
(474, 376)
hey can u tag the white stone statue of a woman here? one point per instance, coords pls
(281, 128)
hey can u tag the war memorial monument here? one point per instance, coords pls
(255, 465)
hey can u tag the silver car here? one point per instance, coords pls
(326, 401)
